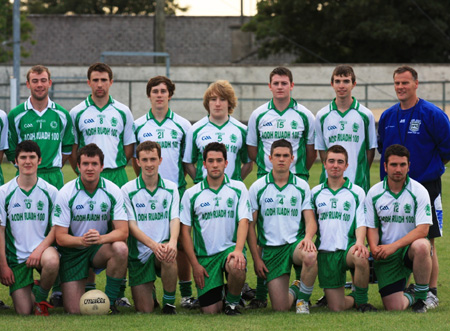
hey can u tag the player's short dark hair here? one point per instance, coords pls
(281, 143)
(100, 67)
(148, 146)
(28, 146)
(405, 68)
(90, 150)
(337, 149)
(343, 70)
(397, 150)
(155, 81)
(281, 71)
(222, 89)
(215, 147)
(39, 69)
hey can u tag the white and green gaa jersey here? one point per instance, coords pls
(51, 129)
(170, 134)
(110, 128)
(80, 211)
(280, 220)
(232, 134)
(26, 216)
(152, 212)
(338, 214)
(268, 124)
(214, 215)
(354, 130)
(3, 138)
(395, 215)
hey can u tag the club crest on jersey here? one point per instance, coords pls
(174, 134)
(407, 208)
(28, 203)
(57, 211)
(428, 209)
(414, 125)
(91, 205)
(294, 125)
(347, 206)
(293, 201)
(53, 124)
(233, 138)
(355, 127)
(40, 205)
(230, 202)
(114, 121)
(104, 207)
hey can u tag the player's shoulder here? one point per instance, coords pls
(120, 106)
(80, 107)
(168, 184)
(356, 189)
(58, 107)
(177, 118)
(130, 186)
(46, 186)
(3, 114)
(390, 111)
(300, 183)
(193, 190)
(8, 187)
(17, 110)
(323, 111)
(259, 183)
(261, 109)
(363, 109)
(237, 184)
(416, 188)
(109, 186)
(69, 188)
(237, 123)
(140, 121)
(200, 123)
(317, 189)
(376, 189)
(300, 108)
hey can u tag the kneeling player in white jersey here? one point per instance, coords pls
(399, 217)
(26, 233)
(339, 208)
(218, 210)
(91, 229)
(281, 204)
(153, 216)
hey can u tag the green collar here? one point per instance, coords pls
(205, 185)
(91, 102)
(292, 104)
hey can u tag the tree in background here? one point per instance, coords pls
(6, 31)
(102, 7)
(354, 31)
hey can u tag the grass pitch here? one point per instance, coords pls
(262, 319)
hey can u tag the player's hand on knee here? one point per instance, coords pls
(307, 245)
(237, 260)
(360, 251)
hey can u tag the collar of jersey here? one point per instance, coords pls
(205, 185)
(354, 105)
(217, 126)
(292, 104)
(27, 193)
(347, 185)
(29, 106)
(395, 195)
(79, 185)
(271, 180)
(150, 116)
(90, 102)
(141, 184)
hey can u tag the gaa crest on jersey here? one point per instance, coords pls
(293, 201)
(355, 127)
(294, 125)
(164, 203)
(40, 205)
(333, 202)
(28, 203)
(407, 208)
(91, 205)
(57, 211)
(174, 134)
(229, 202)
(114, 121)
(53, 124)
(104, 207)
(414, 125)
(347, 205)
(233, 138)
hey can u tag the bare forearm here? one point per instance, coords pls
(370, 156)
(190, 169)
(241, 234)
(246, 169)
(188, 245)
(252, 152)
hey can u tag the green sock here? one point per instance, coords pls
(233, 299)
(420, 291)
(57, 285)
(40, 294)
(298, 271)
(261, 289)
(295, 291)
(123, 286)
(361, 295)
(305, 291)
(410, 298)
(185, 288)
(112, 288)
(169, 297)
(89, 287)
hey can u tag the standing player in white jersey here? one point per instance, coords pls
(282, 118)
(3, 142)
(169, 129)
(398, 215)
(339, 209)
(45, 122)
(106, 122)
(26, 234)
(218, 211)
(281, 204)
(153, 216)
(219, 101)
(347, 123)
(91, 229)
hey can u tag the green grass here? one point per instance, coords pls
(262, 319)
